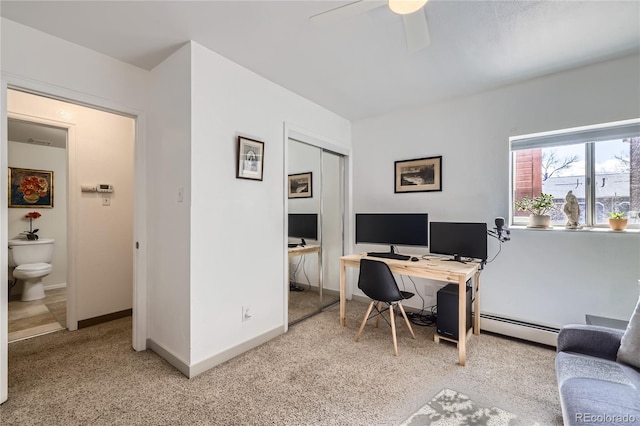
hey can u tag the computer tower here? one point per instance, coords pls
(447, 318)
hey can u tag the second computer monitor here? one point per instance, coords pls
(461, 240)
(303, 225)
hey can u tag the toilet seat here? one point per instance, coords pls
(33, 267)
(32, 270)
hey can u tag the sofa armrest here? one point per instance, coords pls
(601, 342)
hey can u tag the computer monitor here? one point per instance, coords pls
(403, 229)
(460, 240)
(303, 225)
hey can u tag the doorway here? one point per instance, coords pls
(38, 149)
(139, 205)
(315, 186)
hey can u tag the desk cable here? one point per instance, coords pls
(301, 262)
(421, 318)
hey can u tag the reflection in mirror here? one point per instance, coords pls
(305, 273)
(315, 191)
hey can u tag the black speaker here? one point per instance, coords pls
(447, 318)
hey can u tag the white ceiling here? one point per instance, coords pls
(37, 134)
(357, 67)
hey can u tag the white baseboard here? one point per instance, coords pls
(55, 286)
(204, 365)
(169, 356)
(525, 330)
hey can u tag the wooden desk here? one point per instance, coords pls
(300, 250)
(308, 249)
(433, 269)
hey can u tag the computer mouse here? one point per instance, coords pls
(414, 259)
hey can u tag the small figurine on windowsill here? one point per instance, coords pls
(572, 209)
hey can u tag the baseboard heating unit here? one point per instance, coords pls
(519, 329)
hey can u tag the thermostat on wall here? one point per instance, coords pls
(103, 187)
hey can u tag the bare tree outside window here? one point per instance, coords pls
(552, 164)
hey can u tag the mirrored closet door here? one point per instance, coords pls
(315, 218)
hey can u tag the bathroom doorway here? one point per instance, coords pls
(40, 147)
(91, 211)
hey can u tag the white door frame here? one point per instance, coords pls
(139, 214)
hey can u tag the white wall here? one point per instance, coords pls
(102, 152)
(168, 296)
(545, 277)
(53, 222)
(237, 238)
(40, 60)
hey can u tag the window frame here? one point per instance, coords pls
(588, 136)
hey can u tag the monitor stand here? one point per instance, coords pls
(456, 258)
(302, 242)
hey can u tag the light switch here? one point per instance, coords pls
(106, 201)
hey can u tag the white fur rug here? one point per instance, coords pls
(450, 408)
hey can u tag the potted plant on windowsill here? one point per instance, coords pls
(617, 222)
(538, 206)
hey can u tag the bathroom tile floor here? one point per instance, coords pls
(29, 319)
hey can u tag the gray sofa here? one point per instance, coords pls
(594, 388)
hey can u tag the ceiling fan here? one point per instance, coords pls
(412, 12)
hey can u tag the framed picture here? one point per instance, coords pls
(300, 185)
(250, 159)
(30, 188)
(419, 175)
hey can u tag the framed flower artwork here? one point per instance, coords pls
(30, 188)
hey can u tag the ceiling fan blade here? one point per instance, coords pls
(346, 11)
(416, 31)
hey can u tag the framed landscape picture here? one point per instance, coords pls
(300, 185)
(418, 175)
(250, 161)
(30, 188)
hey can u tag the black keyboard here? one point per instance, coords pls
(292, 245)
(387, 255)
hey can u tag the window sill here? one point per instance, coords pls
(561, 228)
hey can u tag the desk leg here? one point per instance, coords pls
(462, 321)
(476, 306)
(343, 294)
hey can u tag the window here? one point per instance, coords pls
(599, 164)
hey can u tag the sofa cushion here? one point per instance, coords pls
(597, 391)
(571, 365)
(598, 402)
(629, 351)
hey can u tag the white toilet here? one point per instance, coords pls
(31, 260)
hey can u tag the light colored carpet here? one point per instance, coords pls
(313, 375)
(307, 302)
